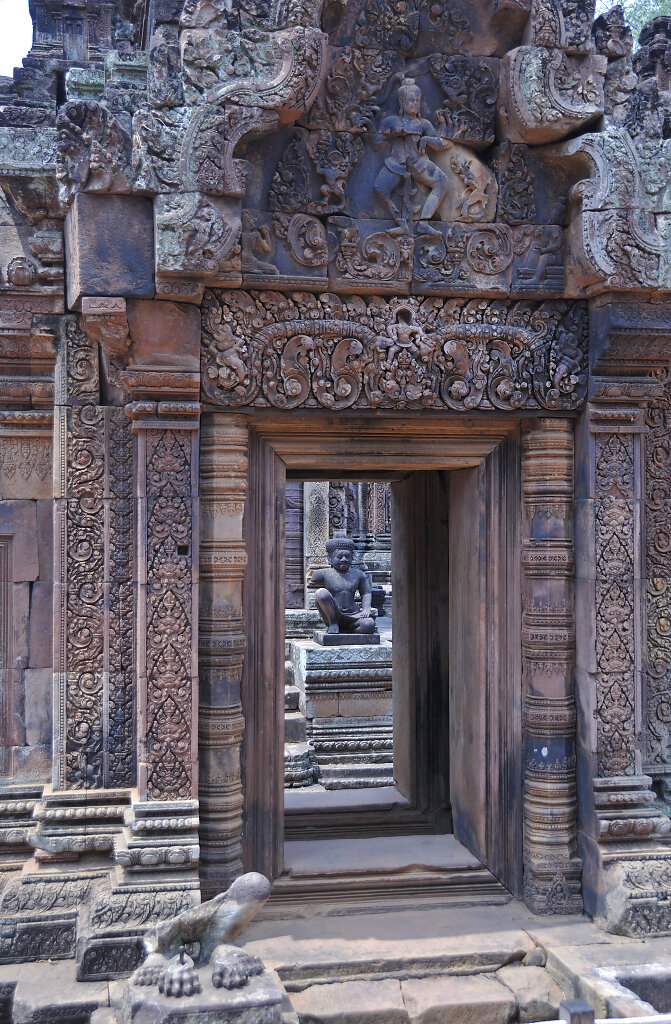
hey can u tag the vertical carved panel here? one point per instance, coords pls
(168, 609)
(5, 649)
(79, 545)
(121, 603)
(93, 592)
(85, 597)
(658, 582)
(315, 527)
(295, 582)
(221, 648)
(337, 508)
(616, 545)
(167, 579)
(552, 869)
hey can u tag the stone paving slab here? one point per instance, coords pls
(351, 1002)
(458, 1000)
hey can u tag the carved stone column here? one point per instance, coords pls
(166, 429)
(552, 868)
(619, 821)
(94, 708)
(223, 558)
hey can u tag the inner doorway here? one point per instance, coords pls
(338, 722)
(457, 713)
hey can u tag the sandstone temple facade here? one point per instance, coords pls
(249, 243)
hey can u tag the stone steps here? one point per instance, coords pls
(513, 994)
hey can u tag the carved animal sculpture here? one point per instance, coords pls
(211, 926)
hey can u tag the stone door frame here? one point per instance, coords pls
(260, 447)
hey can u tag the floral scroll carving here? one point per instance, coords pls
(615, 626)
(169, 582)
(290, 351)
(85, 529)
(658, 574)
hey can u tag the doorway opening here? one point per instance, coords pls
(454, 774)
(338, 722)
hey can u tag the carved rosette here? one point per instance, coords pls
(552, 869)
(166, 634)
(223, 451)
(93, 593)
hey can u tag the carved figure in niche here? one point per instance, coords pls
(256, 240)
(407, 164)
(405, 334)
(335, 598)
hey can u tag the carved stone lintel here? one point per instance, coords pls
(418, 355)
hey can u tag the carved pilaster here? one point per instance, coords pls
(223, 559)
(657, 753)
(621, 818)
(552, 869)
(166, 430)
(93, 663)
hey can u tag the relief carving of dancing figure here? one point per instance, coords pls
(407, 164)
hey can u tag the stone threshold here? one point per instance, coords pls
(381, 874)
(319, 814)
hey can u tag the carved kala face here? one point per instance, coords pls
(341, 559)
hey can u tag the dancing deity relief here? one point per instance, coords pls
(459, 186)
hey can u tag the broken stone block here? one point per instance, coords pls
(349, 1002)
(165, 333)
(100, 258)
(538, 995)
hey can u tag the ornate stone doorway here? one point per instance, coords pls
(458, 617)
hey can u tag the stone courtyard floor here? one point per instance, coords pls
(452, 965)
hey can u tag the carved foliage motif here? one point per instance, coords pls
(121, 714)
(658, 575)
(97, 717)
(615, 545)
(169, 561)
(85, 531)
(94, 150)
(516, 190)
(289, 351)
(470, 87)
